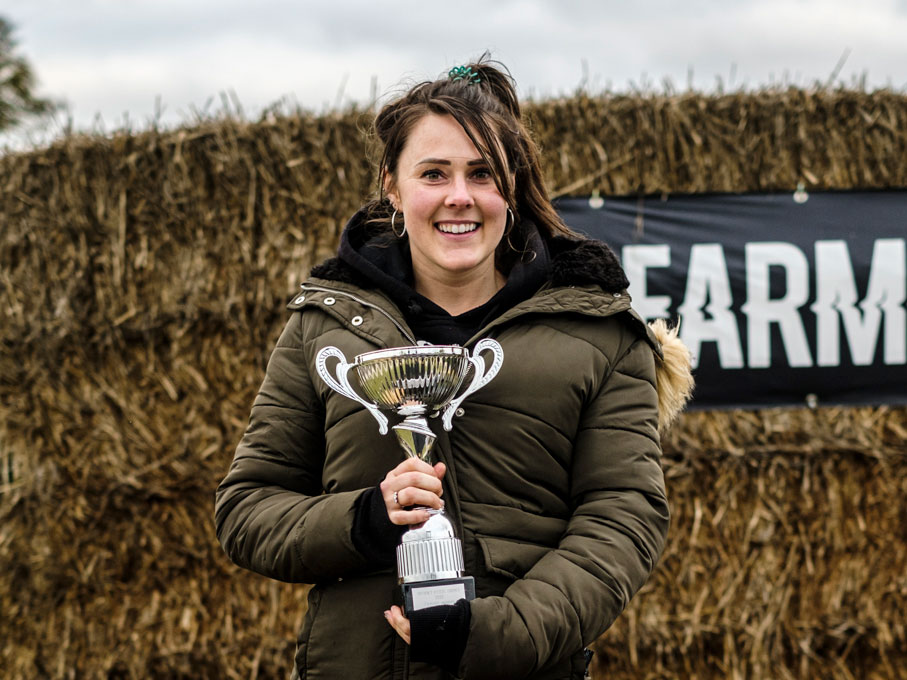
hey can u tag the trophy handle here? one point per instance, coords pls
(342, 383)
(480, 378)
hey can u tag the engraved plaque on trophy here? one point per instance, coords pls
(419, 382)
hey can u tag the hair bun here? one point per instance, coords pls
(496, 80)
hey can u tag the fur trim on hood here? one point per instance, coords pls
(673, 375)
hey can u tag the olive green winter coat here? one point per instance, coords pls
(554, 482)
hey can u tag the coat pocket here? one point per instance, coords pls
(300, 662)
(510, 558)
(346, 635)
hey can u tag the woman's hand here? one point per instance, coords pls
(414, 482)
(398, 622)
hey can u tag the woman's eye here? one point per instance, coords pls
(432, 174)
(482, 174)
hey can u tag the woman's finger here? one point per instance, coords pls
(398, 622)
(410, 495)
(408, 518)
(395, 480)
(413, 465)
(419, 480)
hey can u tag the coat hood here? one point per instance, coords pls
(569, 261)
(572, 262)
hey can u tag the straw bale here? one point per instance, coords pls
(620, 144)
(786, 559)
(142, 283)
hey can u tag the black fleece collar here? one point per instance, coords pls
(573, 262)
(385, 262)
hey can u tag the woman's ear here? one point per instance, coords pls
(388, 183)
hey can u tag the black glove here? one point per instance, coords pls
(438, 634)
(373, 533)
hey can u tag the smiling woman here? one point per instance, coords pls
(453, 212)
(552, 475)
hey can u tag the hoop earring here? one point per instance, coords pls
(509, 230)
(394, 228)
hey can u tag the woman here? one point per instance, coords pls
(551, 474)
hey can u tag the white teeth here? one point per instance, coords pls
(458, 228)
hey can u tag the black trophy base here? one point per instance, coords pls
(422, 594)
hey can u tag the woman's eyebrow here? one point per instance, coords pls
(442, 161)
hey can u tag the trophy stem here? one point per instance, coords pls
(415, 437)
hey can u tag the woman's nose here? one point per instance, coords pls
(459, 195)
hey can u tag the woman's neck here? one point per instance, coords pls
(459, 294)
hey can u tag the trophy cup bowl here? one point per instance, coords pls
(418, 382)
(409, 378)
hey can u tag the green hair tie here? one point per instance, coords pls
(464, 73)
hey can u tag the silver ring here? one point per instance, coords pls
(396, 502)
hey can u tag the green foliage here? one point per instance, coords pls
(17, 84)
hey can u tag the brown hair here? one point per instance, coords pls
(489, 112)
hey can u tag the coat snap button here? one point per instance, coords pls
(356, 321)
(329, 301)
(299, 300)
(459, 413)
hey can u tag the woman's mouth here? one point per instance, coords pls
(456, 228)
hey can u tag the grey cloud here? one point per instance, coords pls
(190, 51)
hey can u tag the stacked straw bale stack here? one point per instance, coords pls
(142, 283)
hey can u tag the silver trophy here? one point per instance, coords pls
(419, 382)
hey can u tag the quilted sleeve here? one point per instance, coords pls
(612, 542)
(270, 513)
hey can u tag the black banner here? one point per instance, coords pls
(784, 299)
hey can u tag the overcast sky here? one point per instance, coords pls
(110, 58)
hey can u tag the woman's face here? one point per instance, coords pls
(454, 214)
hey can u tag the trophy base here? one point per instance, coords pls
(422, 594)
